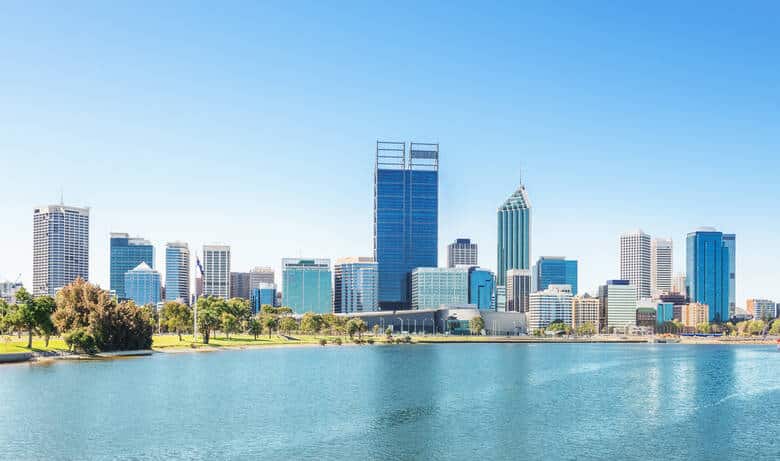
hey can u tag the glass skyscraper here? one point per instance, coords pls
(730, 240)
(436, 286)
(514, 234)
(355, 285)
(555, 270)
(406, 216)
(307, 285)
(126, 254)
(262, 295)
(142, 285)
(482, 285)
(708, 257)
(177, 272)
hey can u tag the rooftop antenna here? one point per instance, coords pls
(62, 196)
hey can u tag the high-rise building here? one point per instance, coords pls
(406, 216)
(761, 309)
(585, 309)
(661, 260)
(260, 275)
(126, 254)
(198, 287)
(635, 265)
(8, 291)
(263, 295)
(730, 241)
(177, 272)
(679, 284)
(554, 270)
(240, 286)
(482, 284)
(514, 234)
(617, 304)
(501, 299)
(216, 271)
(709, 272)
(518, 290)
(678, 301)
(60, 247)
(462, 252)
(142, 285)
(545, 307)
(695, 313)
(436, 286)
(355, 285)
(307, 285)
(664, 312)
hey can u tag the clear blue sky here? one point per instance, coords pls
(254, 124)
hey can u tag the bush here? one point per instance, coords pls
(79, 340)
(337, 341)
(357, 341)
(407, 339)
(323, 341)
(370, 340)
(398, 340)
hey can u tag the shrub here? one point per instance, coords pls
(79, 340)
(337, 341)
(323, 341)
(407, 339)
(370, 340)
(398, 340)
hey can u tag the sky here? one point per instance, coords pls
(254, 124)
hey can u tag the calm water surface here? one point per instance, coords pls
(401, 402)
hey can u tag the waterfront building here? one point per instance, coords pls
(261, 274)
(730, 242)
(547, 306)
(514, 234)
(177, 272)
(126, 254)
(617, 304)
(695, 313)
(433, 287)
(462, 252)
(678, 301)
(585, 309)
(501, 299)
(760, 309)
(679, 284)
(8, 291)
(661, 262)
(142, 285)
(664, 312)
(635, 261)
(240, 285)
(406, 216)
(482, 284)
(554, 270)
(355, 287)
(60, 247)
(708, 270)
(263, 295)
(646, 317)
(307, 285)
(518, 290)
(216, 271)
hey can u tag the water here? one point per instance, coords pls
(428, 402)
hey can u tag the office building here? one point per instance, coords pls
(306, 285)
(501, 305)
(635, 261)
(585, 309)
(8, 291)
(514, 234)
(433, 287)
(664, 312)
(518, 290)
(760, 309)
(554, 270)
(695, 313)
(240, 286)
(355, 285)
(142, 285)
(709, 272)
(216, 271)
(617, 304)
(661, 262)
(679, 284)
(678, 301)
(126, 254)
(263, 295)
(260, 275)
(646, 317)
(482, 285)
(406, 216)
(462, 252)
(60, 247)
(177, 272)
(545, 307)
(730, 242)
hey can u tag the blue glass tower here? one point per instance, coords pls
(482, 284)
(126, 254)
(307, 285)
(709, 271)
(264, 294)
(143, 285)
(514, 234)
(406, 217)
(730, 241)
(554, 270)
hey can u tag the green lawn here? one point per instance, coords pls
(11, 344)
(167, 341)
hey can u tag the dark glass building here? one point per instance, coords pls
(709, 272)
(406, 217)
(126, 254)
(555, 270)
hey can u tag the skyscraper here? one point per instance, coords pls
(60, 247)
(177, 272)
(514, 234)
(730, 241)
(260, 275)
(661, 256)
(355, 285)
(635, 265)
(239, 285)
(435, 286)
(142, 285)
(216, 271)
(554, 270)
(617, 305)
(482, 284)
(709, 272)
(545, 307)
(679, 284)
(518, 290)
(307, 285)
(462, 252)
(126, 254)
(406, 216)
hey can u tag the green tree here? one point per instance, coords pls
(775, 330)
(238, 308)
(375, 329)
(586, 329)
(311, 323)
(389, 332)
(352, 328)
(476, 325)
(208, 316)
(703, 327)
(270, 323)
(34, 314)
(756, 327)
(255, 327)
(287, 324)
(176, 317)
(229, 323)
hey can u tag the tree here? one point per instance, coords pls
(34, 314)
(775, 330)
(375, 329)
(586, 329)
(311, 323)
(703, 327)
(756, 327)
(287, 324)
(362, 327)
(269, 323)
(476, 325)
(255, 328)
(208, 316)
(238, 308)
(389, 332)
(352, 328)
(229, 323)
(176, 317)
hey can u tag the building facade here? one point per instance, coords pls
(547, 306)
(60, 247)
(355, 285)
(679, 284)
(585, 309)
(307, 285)
(518, 290)
(730, 242)
(761, 309)
(617, 304)
(263, 295)
(177, 272)
(433, 287)
(635, 262)
(240, 286)
(126, 254)
(661, 256)
(216, 271)
(406, 216)
(709, 272)
(482, 287)
(695, 313)
(462, 252)
(514, 234)
(554, 270)
(261, 274)
(142, 285)
(664, 312)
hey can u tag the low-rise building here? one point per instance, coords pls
(585, 309)
(646, 317)
(549, 305)
(694, 314)
(617, 305)
(664, 312)
(762, 309)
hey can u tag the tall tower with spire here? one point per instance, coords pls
(514, 234)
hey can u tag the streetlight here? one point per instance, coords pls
(402, 324)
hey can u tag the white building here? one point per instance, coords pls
(260, 275)
(618, 302)
(177, 272)
(462, 252)
(661, 255)
(8, 291)
(678, 283)
(585, 309)
(60, 247)
(549, 305)
(635, 265)
(761, 308)
(216, 271)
